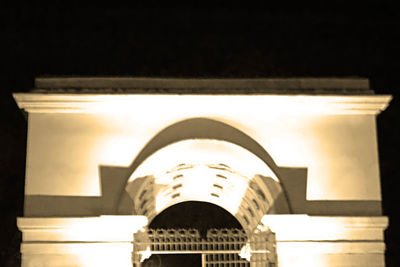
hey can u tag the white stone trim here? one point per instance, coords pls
(288, 228)
(76, 254)
(325, 228)
(100, 241)
(330, 247)
(292, 104)
(322, 234)
(85, 229)
(77, 248)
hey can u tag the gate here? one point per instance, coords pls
(221, 247)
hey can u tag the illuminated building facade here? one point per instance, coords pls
(295, 157)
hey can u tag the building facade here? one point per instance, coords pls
(296, 158)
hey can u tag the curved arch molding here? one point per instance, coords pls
(206, 170)
(246, 199)
(203, 143)
(203, 128)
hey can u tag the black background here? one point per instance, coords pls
(289, 41)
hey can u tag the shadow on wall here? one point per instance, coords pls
(113, 181)
(202, 128)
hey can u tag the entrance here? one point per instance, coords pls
(206, 243)
(221, 247)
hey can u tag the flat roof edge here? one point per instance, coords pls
(100, 103)
(184, 85)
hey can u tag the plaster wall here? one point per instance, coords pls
(65, 150)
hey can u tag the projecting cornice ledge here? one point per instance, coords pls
(111, 103)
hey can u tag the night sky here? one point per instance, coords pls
(291, 41)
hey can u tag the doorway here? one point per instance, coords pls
(198, 234)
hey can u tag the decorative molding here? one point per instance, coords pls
(77, 248)
(323, 234)
(323, 228)
(291, 104)
(288, 228)
(340, 247)
(84, 229)
(101, 241)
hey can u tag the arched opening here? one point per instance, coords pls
(198, 215)
(195, 214)
(204, 129)
(213, 171)
(181, 182)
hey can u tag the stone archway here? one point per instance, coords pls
(195, 240)
(224, 167)
(200, 219)
(213, 171)
(204, 128)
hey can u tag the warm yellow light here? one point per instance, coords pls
(311, 227)
(105, 255)
(203, 151)
(106, 228)
(198, 183)
(297, 258)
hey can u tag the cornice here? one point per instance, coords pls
(111, 103)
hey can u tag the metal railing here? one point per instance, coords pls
(220, 247)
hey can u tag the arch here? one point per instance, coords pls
(200, 170)
(220, 217)
(247, 199)
(203, 151)
(203, 128)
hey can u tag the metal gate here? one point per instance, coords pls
(221, 247)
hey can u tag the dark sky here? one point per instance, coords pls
(291, 41)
